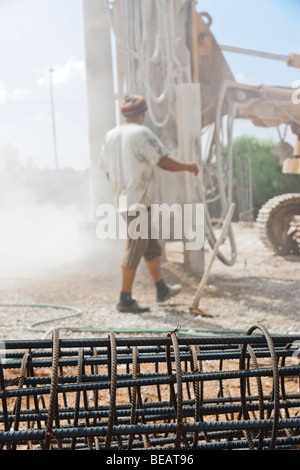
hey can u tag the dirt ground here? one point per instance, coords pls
(260, 288)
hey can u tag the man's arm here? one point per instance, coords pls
(169, 164)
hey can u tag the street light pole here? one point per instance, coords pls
(53, 118)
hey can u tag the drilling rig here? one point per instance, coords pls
(165, 50)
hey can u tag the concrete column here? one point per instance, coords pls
(100, 92)
(189, 126)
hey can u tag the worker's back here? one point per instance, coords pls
(129, 155)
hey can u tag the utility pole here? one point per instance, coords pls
(53, 118)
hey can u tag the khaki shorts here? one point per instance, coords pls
(135, 250)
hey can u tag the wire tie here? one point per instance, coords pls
(174, 331)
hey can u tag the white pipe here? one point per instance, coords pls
(266, 55)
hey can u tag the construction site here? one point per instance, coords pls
(215, 367)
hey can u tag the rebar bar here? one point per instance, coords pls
(168, 392)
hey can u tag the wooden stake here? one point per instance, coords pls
(194, 307)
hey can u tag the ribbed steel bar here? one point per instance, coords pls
(232, 340)
(169, 392)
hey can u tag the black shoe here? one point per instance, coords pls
(171, 292)
(132, 307)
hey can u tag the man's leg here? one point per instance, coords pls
(128, 275)
(153, 267)
(134, 251)
(127, 303)
(130, 262)
(152, 261)
(163, 291)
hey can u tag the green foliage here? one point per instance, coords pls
(267, 177)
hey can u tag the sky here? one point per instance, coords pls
(36, 35)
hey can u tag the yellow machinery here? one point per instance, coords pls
(165, 50)
(279, 219)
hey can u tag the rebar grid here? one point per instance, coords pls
(170, 392)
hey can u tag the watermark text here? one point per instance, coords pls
(167, 222)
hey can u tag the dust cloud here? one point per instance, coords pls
(45, 224)
(36, 235)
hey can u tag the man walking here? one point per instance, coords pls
(129, 155)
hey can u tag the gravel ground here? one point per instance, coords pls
(259, 288)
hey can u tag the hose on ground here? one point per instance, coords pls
(35, 327)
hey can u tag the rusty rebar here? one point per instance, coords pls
(167, 392)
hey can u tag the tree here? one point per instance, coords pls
(267, 177)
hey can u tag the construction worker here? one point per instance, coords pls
(129, 154)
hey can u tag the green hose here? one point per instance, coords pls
(78, 312)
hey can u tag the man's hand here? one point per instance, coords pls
(192, 168)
